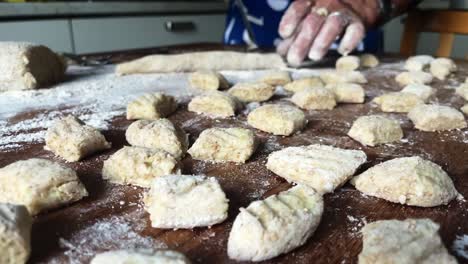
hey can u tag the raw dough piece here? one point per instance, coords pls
(301, 84)
(252, 92)
(369, 60)
(139, 166)
(436, 118)
(465, 109)
(347, 92)
(409, 180)
(330, 77)
(278, 119)
(39, 185)
(347, 63)
(28, 66)
(158, 134)
(418, 62)
(15, 234)
(421, 90)
(321, 167)
(373, 130)
(413, 77)
(72, 140)
(398, 102)
(276, 78)
(161, 256)
(317, 98)
(151, 106)
(215, 104)
(412, 241)
(224, 144)
(186, 201)
(276, 225)
(462, 90)
(208, 81)
(442, 67)
(202, 61)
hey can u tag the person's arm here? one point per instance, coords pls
(310, 27)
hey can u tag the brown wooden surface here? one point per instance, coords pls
(337, 239)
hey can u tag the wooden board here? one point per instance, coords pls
(113, 216)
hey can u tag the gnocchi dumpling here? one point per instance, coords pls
(214, 104)
(436, 118)
(374, 129)
(277, 119)
(276, 78)
(15, 235)
(413, 77)
(348, 63)
(301, 84)
(398, 102)
(252, 92)
(442, 67)
(160, 256)
(207, 81)
(151, 106)
(314, 99)
(421, 90)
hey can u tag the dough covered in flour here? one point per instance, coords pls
(252, 92)
(72, 140)
(139, 166)
(421, 90)
(330, 77)
(409, 180)
(398, 102)
(321, 167)
(277, 119)
(374, 129)
(464, 109)
(347, 92)
(39, 185)
(160, 256)
(418, 62)
(317, 98)
(28, 66)
(186, 201)
(15, 234)
(158, 134)
(462, 90)
(276, 78)
(442, 67)
(413, 77)
(301, 84)
(348, 63)
(151, 106)
(369, 60)
(207, 81)
(436, 118)
(214, 104)
(276, 225)
(411, 241)
(224, 144)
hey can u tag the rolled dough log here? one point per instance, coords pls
(26, 66)
(201, 61)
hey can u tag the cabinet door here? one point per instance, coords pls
(55, 34)
(123, 33)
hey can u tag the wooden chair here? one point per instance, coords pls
(446, 22)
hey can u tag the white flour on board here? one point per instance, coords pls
(460, 246)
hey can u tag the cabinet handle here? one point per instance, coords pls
(179, 26)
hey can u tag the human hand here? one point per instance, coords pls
(308, 28)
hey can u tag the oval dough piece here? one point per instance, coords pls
(151, 106)
(369, 60)
(462, 90)
(276, 78)
(139, 166)
(347, 63)
(224, 144)
(347, 92)
(276, 225)
(398, 102)
(314, 99)
(185, 201)
(39, 185)
(301, 84)
(214, 104)
(207, 81)
(72, 140)
(15, 234)
(28, 66)
(465, 109)
(421, 90)
(414, 181)
(442, 67)
(252, 92)
(413, 77)
(321, 167)
(158, 134)
(418, 62)
(412, 241)
(330, 77)
(161, 256)
(277, 119)
(436, 118)
(373, 130)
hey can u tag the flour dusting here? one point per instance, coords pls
(460, 246)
